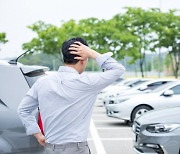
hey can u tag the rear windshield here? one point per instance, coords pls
(32, 77)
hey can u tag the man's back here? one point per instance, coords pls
(66, 99)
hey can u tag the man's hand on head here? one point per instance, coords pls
(40, 138)
(83, 51)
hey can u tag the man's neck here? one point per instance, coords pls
(73, 66)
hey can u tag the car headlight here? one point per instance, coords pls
(162, 128)
(117, 101)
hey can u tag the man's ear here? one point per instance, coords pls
(81, 62)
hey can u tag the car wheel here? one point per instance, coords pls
(128, 122)
(138, 111)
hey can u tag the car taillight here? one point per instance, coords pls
(40, 123)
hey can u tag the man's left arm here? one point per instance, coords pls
(25, 111)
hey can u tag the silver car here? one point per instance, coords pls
(15, 81)
(167, 95)
(158, 132)
(142, 88)
(114, 90)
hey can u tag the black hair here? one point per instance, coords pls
(67, 56)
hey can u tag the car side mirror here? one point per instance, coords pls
(143, 88)
(168, 93)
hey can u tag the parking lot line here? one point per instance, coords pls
(97, 141)
(100, 114)
(117, 128)
(114, 139)
(117, 139)
(112, 120)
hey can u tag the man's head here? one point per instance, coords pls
(69, 58)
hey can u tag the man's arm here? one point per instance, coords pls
(113, 70)
(25, 109)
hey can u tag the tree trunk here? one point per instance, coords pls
(141, 67)
(175, 62)
(141, 62)
(159, 63)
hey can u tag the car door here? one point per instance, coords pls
(176, 96)
(170, 101)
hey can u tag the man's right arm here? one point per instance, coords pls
(112, 69)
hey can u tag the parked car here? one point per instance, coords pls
(142, 88)
(128, 109)
(113, 89)
(158, 132)
(15, 81)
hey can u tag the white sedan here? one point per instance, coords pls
(128, 109)
(141, 88)
(123, 85)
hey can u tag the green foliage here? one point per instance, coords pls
(3, 39)
(42, 59)
(130, 34)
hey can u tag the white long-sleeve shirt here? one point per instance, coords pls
(66, 100)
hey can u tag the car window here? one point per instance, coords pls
(176, 90)
(136, 83)
(162, 87)
(154, 85)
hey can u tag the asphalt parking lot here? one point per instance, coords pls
(109, 135)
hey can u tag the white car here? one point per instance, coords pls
(141, 88)
(123, 85)
(128, 109)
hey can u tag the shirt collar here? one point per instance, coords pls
(67, 69)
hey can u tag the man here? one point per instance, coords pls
(66, 99)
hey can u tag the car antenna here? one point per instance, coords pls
(14, 61)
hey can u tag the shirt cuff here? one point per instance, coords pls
(102, 58)
(33, 129)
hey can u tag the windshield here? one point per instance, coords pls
(135, 83)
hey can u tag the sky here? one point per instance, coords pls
(16, 15)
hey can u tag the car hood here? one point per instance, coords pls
(136, 96)
(170, 115)
(116, 89)
(126, 96)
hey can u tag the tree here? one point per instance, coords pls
(167, 29)
(172, 42)
(3, 39)
(42, 59)
(46, 40)
(137, 21)
(130, 34)
(50, 38)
